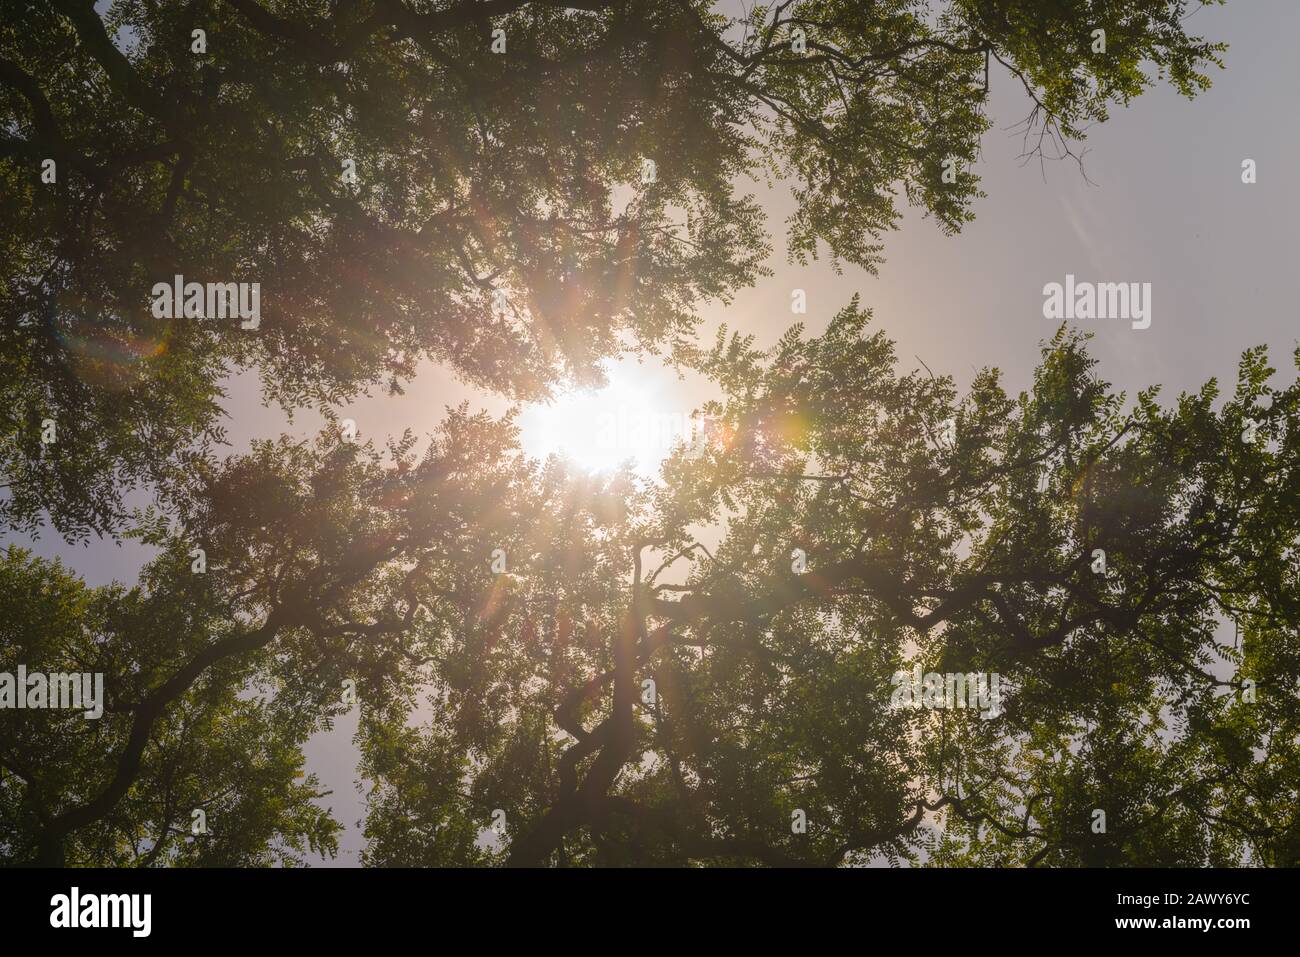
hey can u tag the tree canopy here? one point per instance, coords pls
(555, 667)
(563, 655)
(516, 189)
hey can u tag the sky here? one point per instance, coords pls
(1163, 203)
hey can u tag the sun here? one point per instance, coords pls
(627, 422)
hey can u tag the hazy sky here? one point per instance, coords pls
(1167, 207)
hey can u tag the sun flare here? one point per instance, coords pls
(600, 430)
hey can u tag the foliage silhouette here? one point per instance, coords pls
(522, 690)
(480, 174)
